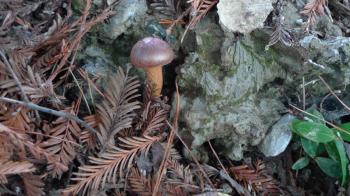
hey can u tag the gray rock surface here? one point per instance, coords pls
(243, 15)
(278, 138)
(128, 13)
(221, 102)
(330, 56)
(232, 101)
(209, 38)
(234, 127)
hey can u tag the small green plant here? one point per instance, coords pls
(323, 145)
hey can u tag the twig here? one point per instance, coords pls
(323, 100)
(200, 9)
(316, 64)
(309, 83)
(81, 90)
(332, 92)
(304, 94)
(168, 146)
(50, 111)
(19, 84)
(318, 118)
(192, 156)
(85, 76)
(233, 182)
(185, 13)
(14, 76)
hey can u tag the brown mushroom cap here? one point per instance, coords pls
(150, 52)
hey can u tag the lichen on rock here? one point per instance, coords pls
(128, 12)
(221, 102)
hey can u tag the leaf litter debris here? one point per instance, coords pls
(125, 146)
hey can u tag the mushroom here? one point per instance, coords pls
(151, 54)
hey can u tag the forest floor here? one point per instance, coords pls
(52, 142)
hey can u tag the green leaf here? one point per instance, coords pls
(310, 147)
(344, 162)
(321, 149)
(295, 122)
(329, 166)
(344, 136)
(316, 132)
(332, 150)
(301, 163)
(315, 116)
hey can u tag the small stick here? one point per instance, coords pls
(14, 76)
(332, 92)
(170, 28)
(50, 111)
(233, 182)
(19, 84)
(81, 90)
(162, 167)
(318, 118)
(304, 94)
(192, 156)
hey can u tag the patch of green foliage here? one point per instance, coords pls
(323, 145)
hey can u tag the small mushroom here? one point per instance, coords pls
(151, 54)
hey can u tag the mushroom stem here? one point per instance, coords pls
(155, 77)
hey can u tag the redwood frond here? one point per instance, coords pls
(147, 94)
(140, 184)
(18, 118)
(174, 155)
(6, 147)
(154, 114)
(20, 141)
(110, 165)
(87, 138)
(256, 178)
(33, 184)
(155, 120)
(199, 9)
(116, 112)
(8, 167)
(33, 85)
(143, 185)
(62, 144)
(36, 87)
(313, 9)
(52, 55)
(181, 179)
(280, 34)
